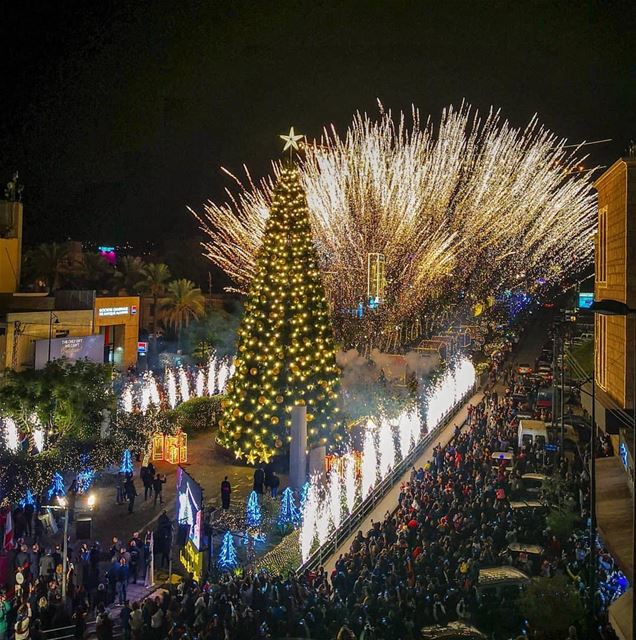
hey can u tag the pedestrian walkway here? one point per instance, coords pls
(390, 500)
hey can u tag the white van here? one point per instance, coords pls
(542, 433)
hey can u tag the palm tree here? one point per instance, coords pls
(48, 263)
(91, 270)
(129, 273)
(153, 284)
(184, 302)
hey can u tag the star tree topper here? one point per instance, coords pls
(291, 140)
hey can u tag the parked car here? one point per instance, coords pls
(545, 372)
(524, 369)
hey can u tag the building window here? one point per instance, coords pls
(601, 247)
(601, 350)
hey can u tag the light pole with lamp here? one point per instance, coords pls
(57, 321)
(617, 308)
(63, 505)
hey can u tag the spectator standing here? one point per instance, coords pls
(157, 485)
(124, 617)
(136, 621)
(131, 493)
(5, 612)
(226, 490)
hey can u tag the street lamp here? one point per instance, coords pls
(57, 321)
(617, 308)
(62, 505)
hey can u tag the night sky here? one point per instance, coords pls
(119, 115)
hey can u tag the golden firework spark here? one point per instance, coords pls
(460, 212)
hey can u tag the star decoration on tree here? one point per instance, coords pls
(291, 140)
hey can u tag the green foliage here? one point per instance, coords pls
(551, 605)
(198, 414)
(213, 332)
(562, 523)
(71, 396)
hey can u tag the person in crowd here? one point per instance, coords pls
(226, 491)
(157, 485)
(131, 493)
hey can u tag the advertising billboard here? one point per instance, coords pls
(72, 348)
(190, 506)
(585, 300)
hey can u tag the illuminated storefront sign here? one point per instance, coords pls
(109, 312)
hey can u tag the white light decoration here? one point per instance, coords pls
(350, 481)
(171, 384)
(323, 521)
(200, 384)
(184, 385)
(454, 208)
(155, 398)
(386, 448)
(127, 399)
(38, 439)
(451, 387)
(369, 460)
(223, 375)
(308, 528)
(11, 436)
(335, 497)
(212, 368)
(144, 402)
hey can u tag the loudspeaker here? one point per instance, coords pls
(182, 535)
(83, 528)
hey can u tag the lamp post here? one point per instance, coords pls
(57, 321)
(617, 308)
(63, 505)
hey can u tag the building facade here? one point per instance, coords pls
(615, 371)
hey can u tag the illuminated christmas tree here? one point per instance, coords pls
(227, 555)
(286, 353)
(57, 486)
(253, 514)
(289, 515)
(126, 465)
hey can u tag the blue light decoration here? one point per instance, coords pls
(227, 556)
(126, 465)
(253, 514)
(57, 486)
(28, 499)
(515, 302)
(622, 451)
(288, 514)
(86, 476)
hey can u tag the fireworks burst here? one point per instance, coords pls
(454, 209)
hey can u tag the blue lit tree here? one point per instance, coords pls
(126, 465)
(86, 476)
(28, 499)
(227, 556)
(253, 514)
(57, 486)
(288, 516)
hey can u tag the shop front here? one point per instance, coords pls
(117, 320)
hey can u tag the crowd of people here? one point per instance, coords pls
(418, 566)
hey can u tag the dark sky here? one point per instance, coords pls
(118, 115)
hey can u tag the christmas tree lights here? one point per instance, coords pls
(286, 351)
(126, 465)
(289, 515)
(57, 486)
(227, 556)
(253, 514)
